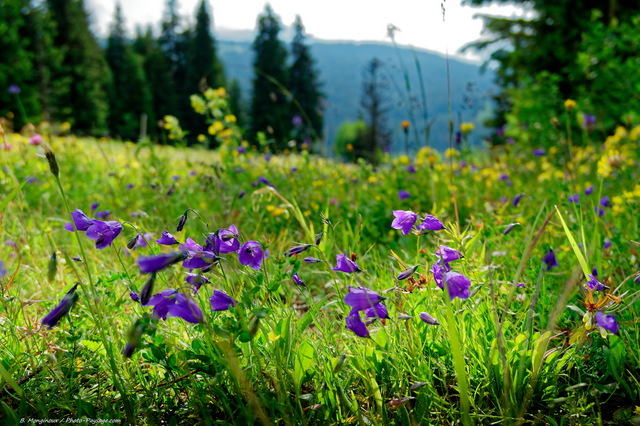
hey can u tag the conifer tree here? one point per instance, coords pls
(270, 107)
(129, 96)
(83, 74)
(305, 89)
(18, 77)
(374, 104)
(204, 69)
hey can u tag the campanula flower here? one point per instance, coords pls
(538, 152)
(355, 324)
(167, 239)
(428, 318)
(594, 284)
(411, 168)
(103, 233)
(81, 220)
(550, 259)
(517, 199)
(509, 228)
(430, 223)
(361, 298)
(403, 195)
(607, 244)
(197, 258)
(407, 273)
(171, 303)
(607, 322)
(147, 289)
(376, 311)
(63, 308)
(344, 264)
(196, 280)
(438, 273)
(458, 285)
(103, 214)
(134, 337)
(605, 201)
(139, 240)
(221, 301)
(574, 199)
(447, 254)
(404, 220)
(296, 279)
(588, 190)
(251, 254)
(223, 241)
(311, 260)
(297, 250)
(150, 264)
(3, 270)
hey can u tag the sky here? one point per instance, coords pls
(420, 21)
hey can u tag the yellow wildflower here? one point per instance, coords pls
(570, 104)
(466, 128)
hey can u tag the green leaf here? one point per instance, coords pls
(574, 246)
(11, 196)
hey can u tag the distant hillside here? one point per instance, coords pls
(341, 66)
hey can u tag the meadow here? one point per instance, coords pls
(475, 286)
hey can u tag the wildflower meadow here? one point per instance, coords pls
(150, 284)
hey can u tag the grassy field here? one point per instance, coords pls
(519, 331)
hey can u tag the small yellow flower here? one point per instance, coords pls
(451, 152)
(372, 179)
(273, 336)
(221, 92)
(201, 138)
(466, 128)
(349, 147)
(230, 118)
(569, 104)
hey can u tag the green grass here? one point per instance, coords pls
(507, 354)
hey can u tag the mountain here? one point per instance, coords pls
(341, 66)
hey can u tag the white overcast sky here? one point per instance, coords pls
(420, 21)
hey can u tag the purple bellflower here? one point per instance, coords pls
(361, 298)
(428, 318)
(103, 233)
(171, 303)
(588, 190)
(3, 270)
(63, 308)
(404, 220)
(403, 195)
(196, 280)
(167, 239)
(538, 152)
(223, 241)
(605, 201)
(430, 223)
(221, 301)
(81, 220)
(344, 264)
(296, 279)
(458, 285)
(438, 274)
(550, 260)
(517, 199)
(197, 258)
(311, 260)
(574, 198)
(447, 254)
(594, 285)
(355, 324)
(607, 322)
(407, 273)
(150, 264)
(297, 250)
(251, 254)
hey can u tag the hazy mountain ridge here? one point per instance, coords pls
(341, 65)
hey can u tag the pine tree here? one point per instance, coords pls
(17, 71)
(374, 105)
(158, 74)
(305, 89)
(236, 103)
(81, 80)
(270, 108)
(129, 96)
(204, 69)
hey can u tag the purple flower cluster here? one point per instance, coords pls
(405, 219)
(363, 300)
(457, 284)
(102, 232)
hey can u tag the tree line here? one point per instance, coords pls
(53, 68)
